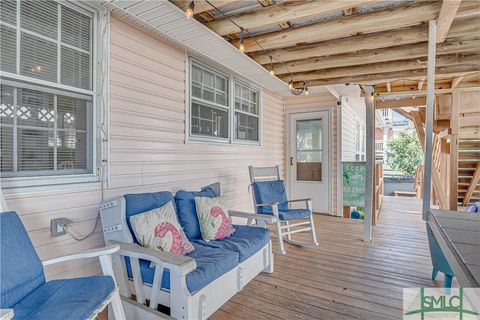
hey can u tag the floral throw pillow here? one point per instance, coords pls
(159, 229)
(215, 223)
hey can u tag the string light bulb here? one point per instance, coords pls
(290, 85)
(190, 9)
(241, 45)
(306, 93)
(272, 72)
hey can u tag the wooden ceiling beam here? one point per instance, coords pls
(281, 13)
(456, 81)
(389, 18)
(377, 78)
(391, 38)
(202, 6)
(445, 18)
(392, 66)
(439, 89)
(405, 102)
(420, 84)
(418, 50)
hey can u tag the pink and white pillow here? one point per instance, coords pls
(215, 223)
(159, 229)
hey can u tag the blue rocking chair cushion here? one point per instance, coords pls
(143, 202)
(53, 300)
(21, 270)
(294, 214)
(268, 192)
(187, 212)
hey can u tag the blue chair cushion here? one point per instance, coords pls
(245, 240)
(73, 299)
(473, 207)
(268, 192)
(211, 264)
(293, 214)
(187, 212)
(143, 202)
(21, 270)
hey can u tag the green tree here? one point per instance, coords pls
(405, 153)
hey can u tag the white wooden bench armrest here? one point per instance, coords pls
(177, 263)
(267, 204)
(6, 314)
(97, 252)
(270, 219)
(300, 200)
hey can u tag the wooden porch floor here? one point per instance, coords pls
(343, 278)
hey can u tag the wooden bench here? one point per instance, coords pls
(405, 193)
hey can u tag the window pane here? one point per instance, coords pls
(208, 94)
(35, 149)
(221, 84)
(197, 90)
(238, 90)
(72, 150)
(8, 11)
(38, 58)
(197, 74)
(72, 113)
(76, 28)
(207, 121)
(208, 79)
(40, 17)
(6, 151)
(7, 109)
(222, 98)
(35, 108)
(75, 68)
(8, 49)
(246, 127)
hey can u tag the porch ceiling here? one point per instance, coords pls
(352, 41)
(167, 21)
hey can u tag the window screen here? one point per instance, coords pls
(46, 131)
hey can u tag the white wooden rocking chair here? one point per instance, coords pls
(269, 197)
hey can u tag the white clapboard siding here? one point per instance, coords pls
(147, 148)
(348, 133)
(320, 100)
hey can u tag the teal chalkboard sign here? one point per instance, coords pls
(354, 184)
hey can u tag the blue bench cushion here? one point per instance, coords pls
(293, 214)
(65, 299)
(21, 270)
(211, 264)
(268, 192)
(245, 240)
(143, 202)
(187, 212)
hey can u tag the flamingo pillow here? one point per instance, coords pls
(215, 223)
(159, 229)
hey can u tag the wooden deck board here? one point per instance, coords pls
(344, 278)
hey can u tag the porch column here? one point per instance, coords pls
(427, 174)
(370, 158)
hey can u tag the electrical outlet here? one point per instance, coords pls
(57, 226)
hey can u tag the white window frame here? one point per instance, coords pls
(232, 79)
(98, 97)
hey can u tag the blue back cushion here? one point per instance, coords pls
(187, 212)
(143, 202)
(270, 191)
(21, 270)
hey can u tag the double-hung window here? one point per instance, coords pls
(222, 108)
(47, 89)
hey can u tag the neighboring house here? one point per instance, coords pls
(388, 126)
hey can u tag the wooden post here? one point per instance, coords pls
(370, 167)
(432, 36)
(453, 195)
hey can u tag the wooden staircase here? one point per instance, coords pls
(468, 168)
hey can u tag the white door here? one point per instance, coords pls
(309, 168)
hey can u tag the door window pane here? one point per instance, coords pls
(309, 150)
